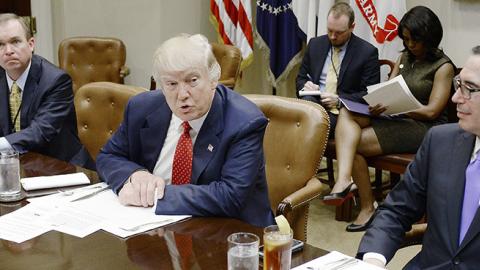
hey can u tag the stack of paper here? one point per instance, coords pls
(65, 212)
(394, 95)
(336, 261)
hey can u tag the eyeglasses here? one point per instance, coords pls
(466, 90)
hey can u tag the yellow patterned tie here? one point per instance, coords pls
(15, 101)
(333, 70)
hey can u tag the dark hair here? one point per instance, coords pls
(5, 17)
(424, 26)
(342, 8)
(476, 50)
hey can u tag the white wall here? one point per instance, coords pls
(42, 11)
(460, 20)
(144, 24)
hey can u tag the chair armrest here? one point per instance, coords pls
(415, 235)
(230, 83)
(124, 71)
(310, 191)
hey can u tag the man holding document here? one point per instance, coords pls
(428, 72)
(193, 148)
(338, 64)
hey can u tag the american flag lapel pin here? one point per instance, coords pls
(210, 147)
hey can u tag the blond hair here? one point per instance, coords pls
(185, 51)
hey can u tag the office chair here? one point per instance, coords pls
(93, 59)
(99, 107)
(294, 142)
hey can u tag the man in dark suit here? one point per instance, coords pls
(443, 183)
(36, 99)
(338, 64)
(196, 145)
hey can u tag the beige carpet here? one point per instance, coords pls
(325, 232)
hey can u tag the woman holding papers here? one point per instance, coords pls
(428, 73)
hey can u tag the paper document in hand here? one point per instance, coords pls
(309, 93)
(393, 94)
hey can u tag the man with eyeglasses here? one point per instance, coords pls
(443, 183)
(338, 64)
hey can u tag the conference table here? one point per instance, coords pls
(102, 250)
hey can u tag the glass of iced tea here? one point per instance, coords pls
(277, 248)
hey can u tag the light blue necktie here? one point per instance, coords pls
(471, 196)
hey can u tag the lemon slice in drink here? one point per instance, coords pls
(282, 224)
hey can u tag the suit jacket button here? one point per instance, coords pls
(456, 261)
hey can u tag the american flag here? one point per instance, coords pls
(233, 19)
(279, 30)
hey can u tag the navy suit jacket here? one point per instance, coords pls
(47, 116)
(433, 184)
(228, 180)
(359, 68)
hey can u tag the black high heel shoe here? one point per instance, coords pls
(338, 198)
(360, 227)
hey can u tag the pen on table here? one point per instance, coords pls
(86, 196)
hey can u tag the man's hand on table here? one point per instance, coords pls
(140, 189)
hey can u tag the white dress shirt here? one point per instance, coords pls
(21, 81)
(323, 76)
(163, 167)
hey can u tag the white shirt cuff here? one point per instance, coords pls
(4, 144)
(374, 255)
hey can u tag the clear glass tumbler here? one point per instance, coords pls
(243, 251)
(10, 188)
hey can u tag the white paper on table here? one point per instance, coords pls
(74, 221)
(64, 180)
(327, 262)
(59, 199)
(24, 223)
(117, 216)
(393, 94)
(101, 211)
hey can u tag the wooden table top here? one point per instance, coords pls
(101, 250)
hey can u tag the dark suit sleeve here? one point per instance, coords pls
(56, 105)
(113, 162)
(370, 75)
(239, 175)
(404, 206)
(302, 77)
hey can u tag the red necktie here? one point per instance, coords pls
(182, 160)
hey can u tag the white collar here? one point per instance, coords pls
(22, 80)
(196, 124)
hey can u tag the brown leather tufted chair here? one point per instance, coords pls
(294, 143)
(99, 107)
(229, 57)
(93, 59)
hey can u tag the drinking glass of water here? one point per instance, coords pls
(10, 189)
(243, 251)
